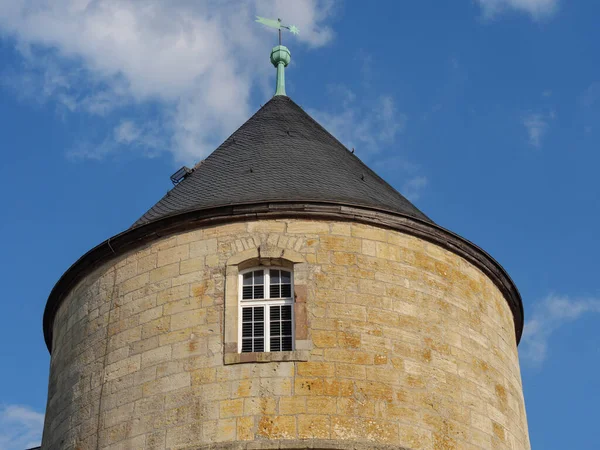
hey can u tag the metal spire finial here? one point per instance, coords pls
(280, 55)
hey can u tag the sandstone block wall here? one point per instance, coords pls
(406, 345)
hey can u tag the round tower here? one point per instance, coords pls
(282, 295)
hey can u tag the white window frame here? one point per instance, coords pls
(266, 302)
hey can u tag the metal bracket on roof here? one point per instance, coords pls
(181, 175)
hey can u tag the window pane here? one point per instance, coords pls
(274, 314)
(247, 330)
(286, 291)
(258, 277)
(248, 279)
(246, 345)
(274, 276)
(275, 291)
(287, 328)
(253, 329)
(280, 284)
(286, 312)
(286, 344)
(275, 344)
(259, 292)
(247, 292)
(275, 328)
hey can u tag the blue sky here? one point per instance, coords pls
(486, 113)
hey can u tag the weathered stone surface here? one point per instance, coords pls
(402, 345)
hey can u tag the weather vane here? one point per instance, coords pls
(280, 55)
(272, 23)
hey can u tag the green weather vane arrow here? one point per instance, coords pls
(272, 23)
(280, 55)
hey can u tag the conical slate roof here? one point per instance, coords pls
(281, 154)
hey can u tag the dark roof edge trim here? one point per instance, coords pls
(307, 200)
(141, 235)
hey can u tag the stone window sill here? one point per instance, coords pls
(240, 358)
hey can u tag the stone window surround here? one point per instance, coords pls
(266, 256)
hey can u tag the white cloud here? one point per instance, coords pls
(364, 126)
(538, 9)
(537, 125)
(371, 127)
(413, 187)
(20, 427)
(146, 138)
(549, 315)
(591, 96)
(198, 60)
(590, 107)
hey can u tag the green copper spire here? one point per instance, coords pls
(280, 55)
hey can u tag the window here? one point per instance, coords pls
(266, 311)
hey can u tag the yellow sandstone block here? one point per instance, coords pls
(344, 229)
(340, 244)
(321, 405)
(308, 227)
(391, 252)
(203, 248)
(323, 338)
(368, 232)
(277, 427)
(156, 356)
(369, 248)
(172, 255)
(259, 406)
(122, 368)
(382, 431)
(134, 283)
(266, 227)
(172, 294)
(166, 384)
(226, 429)
(178, 306)
(292, 405)
(126, 272)
(308, 386)
(348, 356)
(344, 259)
(316, 369)
(245, 428)
(164, 272)
(350, 371)
(191, 265)
(347, 311)
(188, 319)
(314, 426)
(347, 428)
(231, 408)
(203, 376)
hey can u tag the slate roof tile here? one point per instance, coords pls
(280, 154)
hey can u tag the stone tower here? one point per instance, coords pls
(283, 296)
